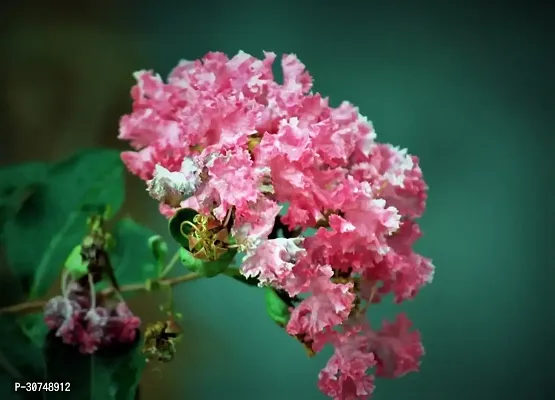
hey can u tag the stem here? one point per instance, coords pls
(369, 301)
(93, 292)
(170, 265)
(65, 277)
(35, 306)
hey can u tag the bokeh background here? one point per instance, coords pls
(469, 88)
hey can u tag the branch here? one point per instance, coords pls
(35, 306)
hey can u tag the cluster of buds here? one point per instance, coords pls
(79, 320)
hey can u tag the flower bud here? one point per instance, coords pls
(89, 329)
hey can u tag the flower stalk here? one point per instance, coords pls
(29, 307)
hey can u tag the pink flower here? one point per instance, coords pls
(402, 271)
(259, 146)
(122, 325)
(397, 350)
(393, 350)
(60, 314)
(396, 175)
(255, 223)
(368, 214)
(232, 181)
(272, 261)
(89, 329)
(329, 305)
(143, 162)
(298, 173)
(345, 375)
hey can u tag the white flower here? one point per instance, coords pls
(172, 188)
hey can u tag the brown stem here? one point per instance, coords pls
(35, 306)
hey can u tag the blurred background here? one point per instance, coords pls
(467, 87)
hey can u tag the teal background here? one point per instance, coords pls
(469, 89)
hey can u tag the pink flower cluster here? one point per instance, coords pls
(223, 133)
(78, 323)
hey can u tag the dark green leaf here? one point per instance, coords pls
(21, 357)
(17, 183)
(7, 388)
(34, 328)
(132, 257)
(21, 341)
(52, 220)
(19, 175)
(277, 309)
(178, 229)
(110, 374)
(208, 269)
(21, 338)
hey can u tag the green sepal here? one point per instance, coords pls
(208, 269)
(179, 229)
(159, 249)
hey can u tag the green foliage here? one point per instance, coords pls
(21, 340)
(110, 374)
(208, 269)
(17, 184)
(43, 213)
(20, 348)
(42, 227)
(133, 257)
(34, 328)
(276, 307)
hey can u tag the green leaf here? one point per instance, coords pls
(7, 389)
(53, 217)
(17, 183)
(236, 274)
(20, 175)
(208, 269)
(277, 309)
(21, 340)
(132, 257)
(21, 356)
(178, 229)
(34, 328)
(110, 374)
